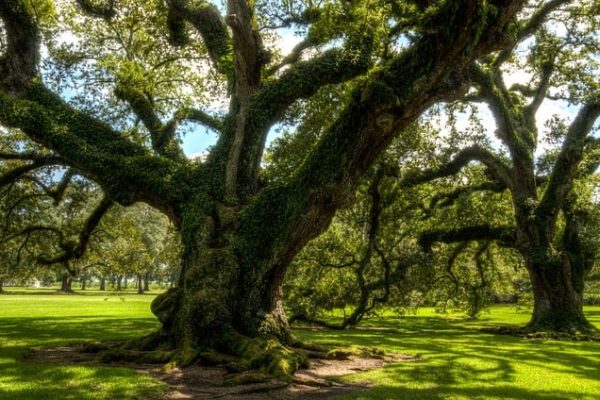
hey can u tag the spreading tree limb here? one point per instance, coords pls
(18, 172)
(207, 20)
(495, 165)
(75, 251)
(502, 235)
(565, 167)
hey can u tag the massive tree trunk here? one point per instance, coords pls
(147, 282)
(558, 297)
(1, 286)
(102, 283)
(557, 270)
(558, 279)
(223, 304)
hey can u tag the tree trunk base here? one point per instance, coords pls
(560, 324)
(557, 326)
(266, 356)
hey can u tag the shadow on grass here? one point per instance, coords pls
(437, 393)
(38, 381)
(21, 380)
(34, 331)
(457, 361)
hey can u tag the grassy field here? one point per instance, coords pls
(53, 320)
(456, 361)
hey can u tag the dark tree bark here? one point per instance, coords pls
(140, 284)
(558, 279)
(558, 304)
(238, 237)
(147, 282)
(66, 283)
(102, 286)
(119, 280)
(1, 286)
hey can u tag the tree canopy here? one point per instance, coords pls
(108, 89)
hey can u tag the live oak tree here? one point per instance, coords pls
(548, 227)
(238, 234)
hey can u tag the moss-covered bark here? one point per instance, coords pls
(558, 298)
(224, 310)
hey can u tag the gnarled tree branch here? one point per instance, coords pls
(528, 28)
(161, 135)
(207, 20)
(497, 167)
(378, 110)
(503, 235)
(20, 171)
(75, 251)
(565, 167)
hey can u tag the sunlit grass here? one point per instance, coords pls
(51, 320)
(91, 290)
(456, 360)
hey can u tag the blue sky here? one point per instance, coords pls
(198, 140)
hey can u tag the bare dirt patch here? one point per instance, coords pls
(202, 382)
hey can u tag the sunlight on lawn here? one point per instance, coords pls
(456, 361)
(47, 321)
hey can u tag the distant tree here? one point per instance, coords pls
(133, 240)
(549, 218)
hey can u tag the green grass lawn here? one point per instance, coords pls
(53, 320)
(456, 361)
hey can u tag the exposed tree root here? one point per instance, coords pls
(200, 381)
(248, 360)
(254, 359)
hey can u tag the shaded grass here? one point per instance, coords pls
(457, 361)
(48, 321)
